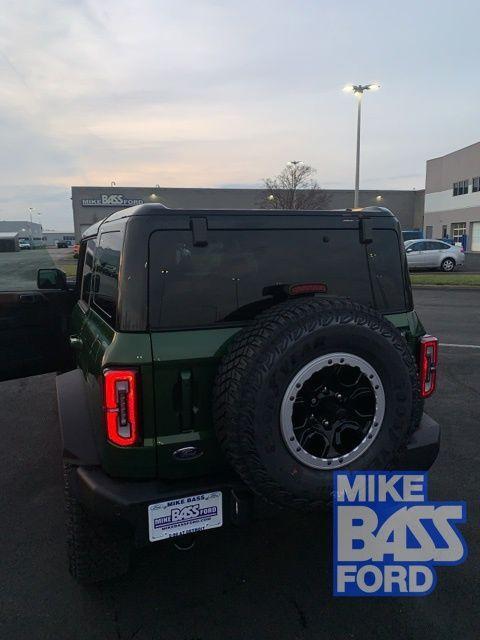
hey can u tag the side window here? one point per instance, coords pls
(419, 246)
(107, 262)
(87, 271)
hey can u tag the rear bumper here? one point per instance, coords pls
(128, 501)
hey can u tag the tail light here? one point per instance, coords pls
(121, 406)
(428, 360)
(307, 287)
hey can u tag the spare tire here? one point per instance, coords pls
(310, 387)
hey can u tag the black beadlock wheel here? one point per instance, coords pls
(312, 386)
(96, 551)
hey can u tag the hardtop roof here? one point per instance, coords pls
(156, 209)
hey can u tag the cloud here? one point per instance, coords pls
(211, 92)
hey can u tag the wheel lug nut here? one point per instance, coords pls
(325, 422)
(314, 401)
(338, 396)
(324, 390)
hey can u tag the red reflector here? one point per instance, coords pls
(120, 392)
(428, 360)
(308, 287)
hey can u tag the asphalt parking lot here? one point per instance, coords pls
(270, 580)
(18, 269)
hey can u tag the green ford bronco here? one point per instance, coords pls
(223, 354)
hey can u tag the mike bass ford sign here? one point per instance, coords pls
(112, 200)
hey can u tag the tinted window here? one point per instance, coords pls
(87, 271)
(231, 278)
(107, 261)
(418, 246)
(431, 246)
(386, 268)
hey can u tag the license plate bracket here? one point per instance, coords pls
(179, 516)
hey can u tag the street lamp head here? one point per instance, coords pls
(358, 89)
(294, 163)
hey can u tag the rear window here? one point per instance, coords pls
(226, 280)
(107, 262)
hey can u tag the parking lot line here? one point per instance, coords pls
(460, 346)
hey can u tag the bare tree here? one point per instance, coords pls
(294, 188)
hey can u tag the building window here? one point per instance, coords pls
(460, 188)
(476, 184)
(459, 229)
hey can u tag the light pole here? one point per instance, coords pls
(358, 90)
(31, 210)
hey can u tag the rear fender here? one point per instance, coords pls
(78, 443)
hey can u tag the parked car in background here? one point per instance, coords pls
(23, 244)
(62, 244)
(433, 254)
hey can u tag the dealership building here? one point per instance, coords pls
(33, 232)
(91, 204)
(452, 197)
(26, 230)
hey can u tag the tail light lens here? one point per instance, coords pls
(121, 406)
(428, 360)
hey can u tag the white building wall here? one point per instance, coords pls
(442, 208)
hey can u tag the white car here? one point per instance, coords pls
(23, 244)
(433, 254)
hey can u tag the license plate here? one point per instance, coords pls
(184, 515)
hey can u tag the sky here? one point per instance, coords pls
(216, 93)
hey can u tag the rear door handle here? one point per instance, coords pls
(75, 342)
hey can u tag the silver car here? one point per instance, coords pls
(433, 254)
